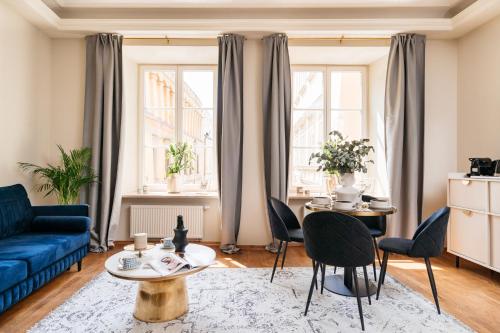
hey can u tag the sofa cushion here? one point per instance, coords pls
(40, 250)
(15, 210)
(12, 272)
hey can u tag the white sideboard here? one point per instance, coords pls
(474, 225)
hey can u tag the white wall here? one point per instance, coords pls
(25, 95)
(440, 150)
(479, 94)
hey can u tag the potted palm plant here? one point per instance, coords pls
(343, 157)
(179, 157)
(65, 180)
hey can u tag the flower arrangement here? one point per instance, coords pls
(179, 157)
(342, 156)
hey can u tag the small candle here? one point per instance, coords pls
(140, 241)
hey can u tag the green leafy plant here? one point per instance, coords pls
(66, 180)
(339, 155)
(179, 157)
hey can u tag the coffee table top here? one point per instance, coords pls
(360, 212)
(199, 253)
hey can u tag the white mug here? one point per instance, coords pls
(343, 204)
(129, 262)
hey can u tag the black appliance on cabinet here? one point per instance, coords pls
(483, 166)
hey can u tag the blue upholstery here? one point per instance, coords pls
(37, 243)
(60, 224)
(15, 210)
(396, 245)
(12, 272)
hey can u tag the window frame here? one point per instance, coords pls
(327, 109)
(179, 69)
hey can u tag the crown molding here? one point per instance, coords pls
(37, 12)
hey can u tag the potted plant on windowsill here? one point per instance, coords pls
(179, 157)
(66, 180)
(343, 157)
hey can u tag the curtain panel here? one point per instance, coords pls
(276, 107)
(230, 136)
(102, 132)
(404, 130)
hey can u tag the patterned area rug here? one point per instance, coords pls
(243, 300)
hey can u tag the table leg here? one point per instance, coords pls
(343, 284)
(159, 301)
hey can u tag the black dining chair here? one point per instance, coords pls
(427, 242)
(335, 239)
(377, 226)
(284, 226)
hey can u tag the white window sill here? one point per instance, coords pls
(166, 195)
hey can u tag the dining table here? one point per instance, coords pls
(343, 284)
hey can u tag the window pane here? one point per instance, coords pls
(308, 89)
(198, 89)
(304, 174)
(307, 128)
(203, 167)
(346, 90)
(198, 126)
(154, 167)
(159, 89)
(348, 123)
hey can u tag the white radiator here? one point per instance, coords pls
(160, 221)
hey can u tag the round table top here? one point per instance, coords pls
(355, 212)
(201, 254)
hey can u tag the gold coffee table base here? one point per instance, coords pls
(159, 301)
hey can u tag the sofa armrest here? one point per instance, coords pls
(61, 210)
(75, 224)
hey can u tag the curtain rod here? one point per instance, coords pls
(210, 41)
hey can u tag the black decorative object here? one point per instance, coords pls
(180, 236)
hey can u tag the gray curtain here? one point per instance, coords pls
(102, 133)
(230, 136)
(404, 130)
(276, 106)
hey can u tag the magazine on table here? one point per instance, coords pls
(171, 263)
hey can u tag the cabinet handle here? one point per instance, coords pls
(467, 212)
(466, 182)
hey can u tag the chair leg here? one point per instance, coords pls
(323, 269)
(375, 270)
(382, 272)
(360, 307)
(433, 283)
(335, 270)
(316, 280)
(276, 260)
(376, 250)
(457, 261)
(366, 285)
(79, 265)
(313, 281)
(284, 255)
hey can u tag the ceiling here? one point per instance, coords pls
(251, 3)
(297, 18)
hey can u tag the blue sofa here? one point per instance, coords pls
(37, 243)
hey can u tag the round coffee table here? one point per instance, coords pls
(161, 298)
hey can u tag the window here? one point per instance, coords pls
(178, 106)
(324, 98)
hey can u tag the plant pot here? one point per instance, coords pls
(348, 192)
(173, 183)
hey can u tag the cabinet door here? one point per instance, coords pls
(495, 197)
(495, 241)
(471, 194)
(469, 234)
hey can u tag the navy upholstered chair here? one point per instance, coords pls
(335, 239)
(427, 242)
(284, 226)
(377, 226)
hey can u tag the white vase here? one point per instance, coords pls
(348, 192)
(172, 183)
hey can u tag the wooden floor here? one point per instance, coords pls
(471, 293)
